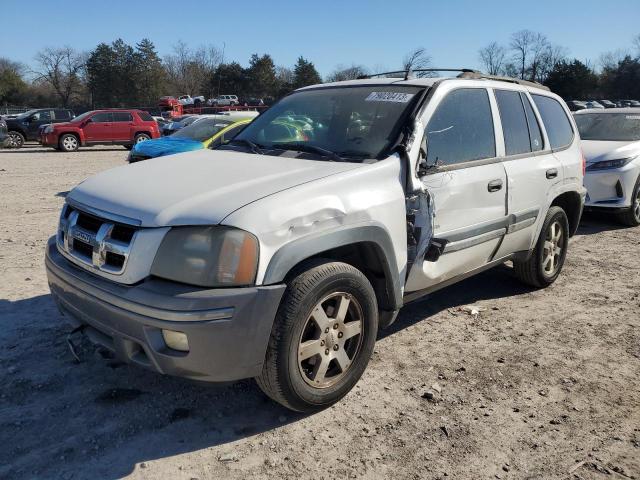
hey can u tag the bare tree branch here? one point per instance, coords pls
(493, 57)
(61, 68)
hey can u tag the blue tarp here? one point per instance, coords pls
(160, 147)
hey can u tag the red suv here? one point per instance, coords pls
(101, 127)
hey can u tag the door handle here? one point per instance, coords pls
(494, 185)
(552, 173)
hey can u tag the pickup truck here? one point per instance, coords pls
(281, 254)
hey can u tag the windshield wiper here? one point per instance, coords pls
(305, 147)
(242, 141)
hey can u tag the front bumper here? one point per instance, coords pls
(612, 188)
(48, 140)
(228, 329)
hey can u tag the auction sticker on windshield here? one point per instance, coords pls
(396, 97)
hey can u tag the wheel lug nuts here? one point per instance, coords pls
(335, 326)
(326, 330)
(335, 347)
(326, 352)
(340, 334)
(322, 343)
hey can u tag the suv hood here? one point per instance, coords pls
(197, 188)
(599, 150)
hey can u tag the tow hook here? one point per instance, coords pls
(70, 343)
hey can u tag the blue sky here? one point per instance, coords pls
(328, 32)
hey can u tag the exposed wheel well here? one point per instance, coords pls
(571, 204)
(367, 257)
(142, 133)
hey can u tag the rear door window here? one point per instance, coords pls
(461, 128)
(555, 121)
(62, 114)
(535, 133)
(514, 122)
(122, 117)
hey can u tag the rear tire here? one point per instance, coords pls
(631, 216)
(16, 139)
(322, 338)
(546, 262)
(68, 143)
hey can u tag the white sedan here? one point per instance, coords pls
(611, 146)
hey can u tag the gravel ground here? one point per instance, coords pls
(540, 385)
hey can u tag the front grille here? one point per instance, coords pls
(93, 241)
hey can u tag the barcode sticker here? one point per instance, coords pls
(395, 97)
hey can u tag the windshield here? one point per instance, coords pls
(202, 130)
(26, 114)
(618, 127)
(348, 121)
(188, 121)
(80, 118)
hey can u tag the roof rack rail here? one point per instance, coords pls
(475, 75)
(407, 74)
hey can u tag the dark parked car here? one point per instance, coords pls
(4, 136)
(575, 105)
(26, 126)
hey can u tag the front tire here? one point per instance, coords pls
(16, 140)
(631, 216)
(322, 338)
(69, 143)
(141, 137)
(546, 262)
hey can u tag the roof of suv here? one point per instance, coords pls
(430, 81)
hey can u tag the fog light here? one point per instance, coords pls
(176, 340)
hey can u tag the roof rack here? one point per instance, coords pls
(464, 73)
(475, 75)
(407, 74)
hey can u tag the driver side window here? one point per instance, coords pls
(461, 128)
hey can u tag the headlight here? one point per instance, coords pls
(207, 256)
(48, 129)
(606, 164)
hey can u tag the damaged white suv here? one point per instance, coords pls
(279, 255)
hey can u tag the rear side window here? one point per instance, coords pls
(555, 121)
(145, 117)
(62, 114)
(461, 128)
(535, 134)
(514, 122)
(122, 117)
(101, 117)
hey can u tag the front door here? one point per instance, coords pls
(37, 120)
(467, 186)
(98, 128)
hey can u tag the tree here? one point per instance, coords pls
(229, 79)
(190, 71)
(151, 76)
(13, 88)
(342, 73)
(572, 80)
(623, 80)
(61, 68)
(261, 75)
(305, 73)
(417, 59)
(636, 44)
(493, 57)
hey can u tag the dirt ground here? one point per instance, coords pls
(541, 385)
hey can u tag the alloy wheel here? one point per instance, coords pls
(70, 143)
(330, 340)
(14, 140)
(636, 206)
(552, 249)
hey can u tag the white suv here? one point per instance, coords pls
(224, 100)
(279, 255)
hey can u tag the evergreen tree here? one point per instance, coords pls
(305, 73)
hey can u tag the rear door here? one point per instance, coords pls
(122, 127)
(532, 169)
(468, 187)
(98, 128)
